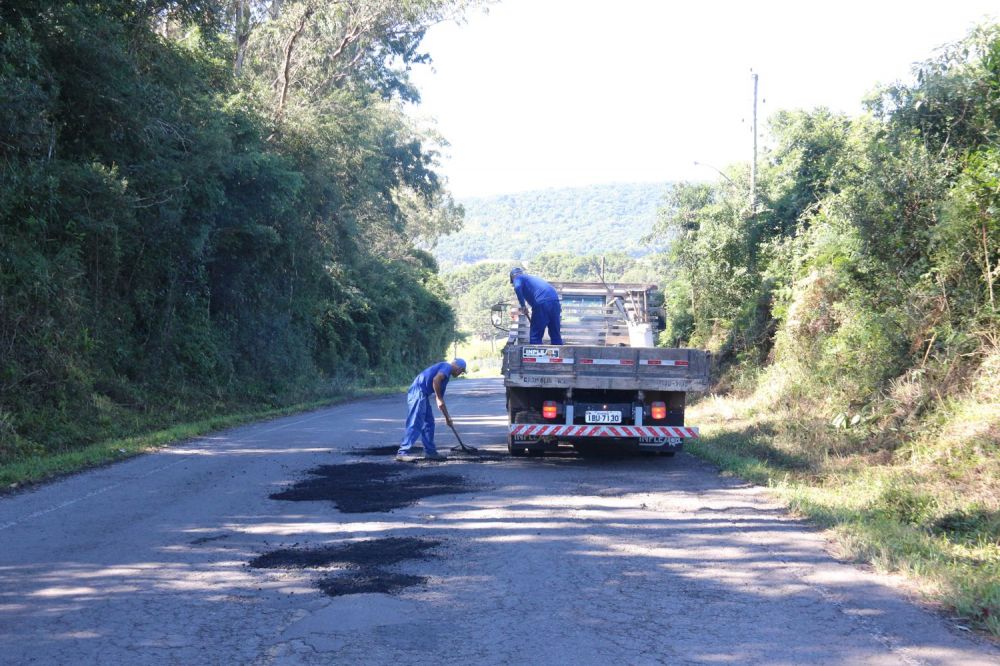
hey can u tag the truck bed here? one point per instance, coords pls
(614, 368)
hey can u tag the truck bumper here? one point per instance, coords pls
(669, 438)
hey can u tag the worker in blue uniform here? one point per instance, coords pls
(546, 310)
(419, 418)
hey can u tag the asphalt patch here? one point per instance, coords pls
(371, 487)
(455, 455)
(368, 582)
(367, 553)
(361, 561)
(375, 451)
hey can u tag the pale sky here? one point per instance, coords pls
(555, 93)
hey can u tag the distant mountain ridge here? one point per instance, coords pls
(579, 220)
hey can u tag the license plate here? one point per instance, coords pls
(603, 417)
(660, 441)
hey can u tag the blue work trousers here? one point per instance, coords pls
(419, 422)
(546, 315)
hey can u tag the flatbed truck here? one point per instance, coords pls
(608, 386)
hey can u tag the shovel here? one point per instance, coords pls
(461, 446)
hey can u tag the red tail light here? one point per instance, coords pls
(659, 411)
(549, 409)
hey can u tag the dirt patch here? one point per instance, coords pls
(368, 582)
(367, 553)
(371, 487)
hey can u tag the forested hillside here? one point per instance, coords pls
(581, 220)
(207, 206)
(854, 308)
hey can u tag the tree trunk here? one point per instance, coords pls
(241, 34)
(285, 76)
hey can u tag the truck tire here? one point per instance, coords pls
(513, 448)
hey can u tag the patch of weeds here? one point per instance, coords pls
(904, 505)
(969, 525)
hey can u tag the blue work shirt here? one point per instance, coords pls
(534, 290)
(425, 380)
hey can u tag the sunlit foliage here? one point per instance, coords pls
(209, 204)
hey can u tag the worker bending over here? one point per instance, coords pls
(419, 418)
(544, 301)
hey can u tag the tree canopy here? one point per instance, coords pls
(210, 203)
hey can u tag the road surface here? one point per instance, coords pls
(184, 557)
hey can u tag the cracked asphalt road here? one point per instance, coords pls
(556, 560)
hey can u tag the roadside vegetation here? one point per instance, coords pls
(210, 208)
(853, 309)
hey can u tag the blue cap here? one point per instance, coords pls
(515, 272)
(460, 362)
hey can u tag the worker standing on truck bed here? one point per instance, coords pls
(544, 301)
(419, 418)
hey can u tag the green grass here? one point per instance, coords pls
(32, 469)
(928, 512)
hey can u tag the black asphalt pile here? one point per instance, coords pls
(371, 487)
(360, 559)
(368, 553)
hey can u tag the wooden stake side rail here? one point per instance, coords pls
(585, 325)
(613, 368)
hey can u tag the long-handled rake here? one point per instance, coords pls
(461, 446)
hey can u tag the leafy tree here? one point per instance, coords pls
(178, 237)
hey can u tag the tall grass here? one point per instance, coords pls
(922, 500)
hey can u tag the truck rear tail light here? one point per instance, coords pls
(549, 409)
(659, 411)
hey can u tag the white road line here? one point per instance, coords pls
(112, 486)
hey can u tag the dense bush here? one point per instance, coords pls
(873, 249)
(175, 238)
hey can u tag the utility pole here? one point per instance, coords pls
(753, 164)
